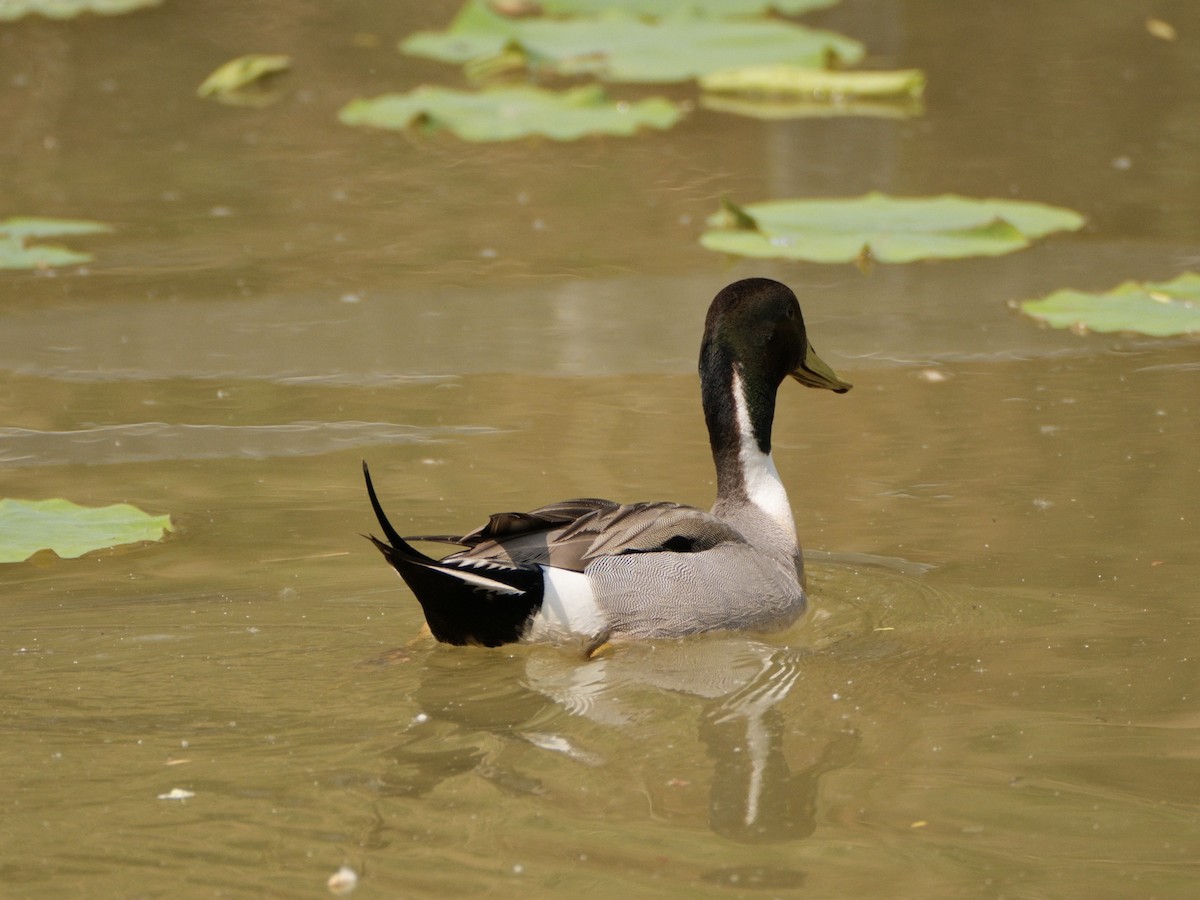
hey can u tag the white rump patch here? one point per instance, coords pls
(764, 487)
(568, 606)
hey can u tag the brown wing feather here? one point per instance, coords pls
(507, 525)
(570, 534)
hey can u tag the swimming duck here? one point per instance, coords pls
(600, 570)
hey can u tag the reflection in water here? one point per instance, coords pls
(755, 796)
(472, 705)
(477, 705)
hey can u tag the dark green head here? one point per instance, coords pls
(756, 324)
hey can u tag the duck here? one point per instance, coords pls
(602, 571)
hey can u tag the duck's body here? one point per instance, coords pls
(597, 569)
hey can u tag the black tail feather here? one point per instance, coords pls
(463, 604)
(388, 531)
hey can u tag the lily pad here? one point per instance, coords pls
(244, 81)
(1160, 309)
(70, 530)
(505, 114)
(661, 9)
(620, 47)
(824, 84)
(11, 10)
(780, 108)
(17, 253)
(878, 228)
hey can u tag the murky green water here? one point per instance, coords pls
(995, 694)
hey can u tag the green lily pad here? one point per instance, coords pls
(781, 108)
(661, 9)
(1159, 309)
(17, 253)
(797, 81)
(11, 10)
(70, 530)
(244, 81)
(505, 114)
(878, 228)
(620, 47)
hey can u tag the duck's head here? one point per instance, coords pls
(755, 325)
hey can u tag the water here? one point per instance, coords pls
(994, 694)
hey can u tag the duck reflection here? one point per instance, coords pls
(481, 711)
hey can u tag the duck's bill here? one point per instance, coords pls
(815, 373)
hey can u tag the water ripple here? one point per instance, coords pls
(155, 441)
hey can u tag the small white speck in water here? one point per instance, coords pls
(343, 881)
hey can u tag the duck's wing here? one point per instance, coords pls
(571, 534)
(510, 527)
(661, 527)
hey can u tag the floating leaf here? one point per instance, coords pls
(661, 9)
(775, 109)
(17, 253)
(70, 530)
(243, 81)
(879, 228)
(504, 114)
(824, 84)
(1158, 309)
(68, 9)
(792, 92)
(620, 47)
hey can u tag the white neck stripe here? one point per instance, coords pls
(764, 487)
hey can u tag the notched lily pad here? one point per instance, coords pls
(70, 530)
(11, 10)
(878, 228)
(16, 251)
(1162, 309)
(505, 114)
(619, 47)
(245, 81)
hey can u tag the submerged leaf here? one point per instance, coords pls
(68, 9)
(505, 114)
(1158, 309)
(620, 47)
(70, 530)
(879, 228)
(17, 253)
(242, 81)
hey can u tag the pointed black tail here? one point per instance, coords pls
(488, 604)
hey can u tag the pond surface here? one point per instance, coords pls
(996, 691)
